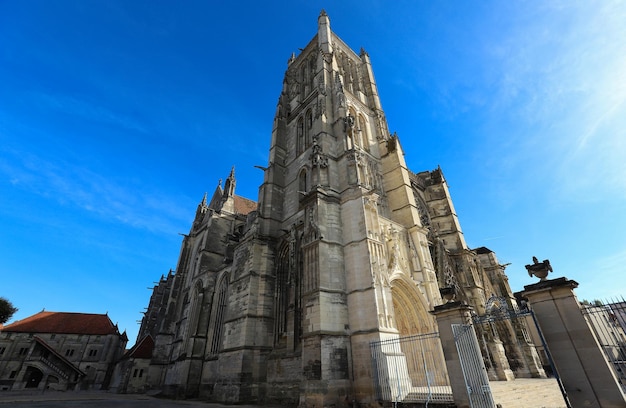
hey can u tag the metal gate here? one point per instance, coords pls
(527, 354)
(473, 367)
(608, 322)
(508, 348)
(410, 369)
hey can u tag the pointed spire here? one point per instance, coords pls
(229, 186)
(323, 32)
(202, 208)
(291, 59)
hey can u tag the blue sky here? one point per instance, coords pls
(117, 116)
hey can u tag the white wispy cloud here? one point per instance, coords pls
(561, 80)
(90, 111)
(75, 186)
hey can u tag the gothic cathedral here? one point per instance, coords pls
(279, 300)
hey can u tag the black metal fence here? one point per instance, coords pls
(608, 321)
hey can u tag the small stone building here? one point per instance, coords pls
(278, 300)
(59, 351)
(132, 371)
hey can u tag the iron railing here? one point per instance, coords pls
(410, 369)
(608, 322)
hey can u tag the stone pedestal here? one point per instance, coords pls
(455, 313)
(584, 371)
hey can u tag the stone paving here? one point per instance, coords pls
(520, 393)
(98, 399)
(527, 393)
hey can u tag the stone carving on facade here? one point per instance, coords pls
(382, 133)
(381, 283)
(360, 81)
(380, 276)
(415, 260)
(370, 177)
(328, 56)
(312, 231)
(321, 85)
(348, 124)
(292, 246)
(320, 107)
(392, 142)
(393, 237)
(318, 158)
(341, 96)
(291, 78)
(355, 157)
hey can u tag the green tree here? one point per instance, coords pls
(6, 310)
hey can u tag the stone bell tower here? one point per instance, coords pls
(337, 199)
(279, 301)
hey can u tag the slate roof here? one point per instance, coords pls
(143, 349)
(64, 322)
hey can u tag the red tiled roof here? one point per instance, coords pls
(63, 322)
(143, 349)
(243, 205)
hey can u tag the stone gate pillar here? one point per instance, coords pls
(584, 371)
(448, 314)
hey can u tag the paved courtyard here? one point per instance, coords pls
(527, 393)
(96, 399)
(521, 393)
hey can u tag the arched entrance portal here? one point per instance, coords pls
(32, 377)
(418, 341)
(410, 309)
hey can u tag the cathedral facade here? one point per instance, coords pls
(278, 300)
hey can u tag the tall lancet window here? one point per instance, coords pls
(281, 296)
(302, 182)
(363, 132)
(312, 71)
(220, 312)
(198, 296)
(287, 298)
(308, 127)
(303, 82)
(300, 130)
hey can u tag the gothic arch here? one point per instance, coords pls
(220, 307)
(281, 297)
(312, 70)
(303, 180)
(200, 312)
(308, 128)
(300, 134)
(409, 305)
(303, 80)
(288, 291)
(363, 132)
